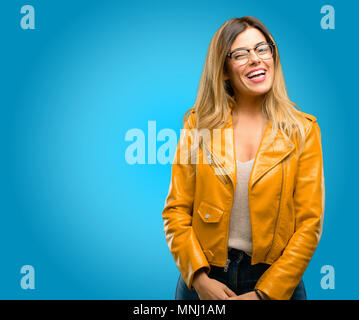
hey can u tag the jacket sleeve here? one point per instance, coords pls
(177, 213)
(283, 276)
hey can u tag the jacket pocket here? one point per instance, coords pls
(209, 213)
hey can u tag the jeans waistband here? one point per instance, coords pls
(232, 252)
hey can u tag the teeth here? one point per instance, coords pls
(255, 73)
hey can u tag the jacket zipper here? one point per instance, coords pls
(221, 176)
(220, 170)
(276, 221)
(228, 261)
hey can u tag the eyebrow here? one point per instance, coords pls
(245, 48)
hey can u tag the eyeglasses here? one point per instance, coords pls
(241, 55)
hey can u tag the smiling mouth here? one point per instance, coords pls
(256, 74)
(257, 77)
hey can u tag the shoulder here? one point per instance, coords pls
(189, 118)
(308, 120)
(309, 116)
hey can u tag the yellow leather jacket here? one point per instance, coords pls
(286, 196)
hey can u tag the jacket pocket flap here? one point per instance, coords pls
(209, 213)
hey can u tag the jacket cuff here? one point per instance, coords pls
(274, 289)
(190, 276)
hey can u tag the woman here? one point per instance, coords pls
(244, 216)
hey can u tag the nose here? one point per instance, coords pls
(253, 56)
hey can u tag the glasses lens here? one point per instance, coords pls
(264, 51)
(240, 57)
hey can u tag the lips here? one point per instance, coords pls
(260, 78)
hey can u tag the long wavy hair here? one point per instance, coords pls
(215, 95)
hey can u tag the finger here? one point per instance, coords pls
(229, 292)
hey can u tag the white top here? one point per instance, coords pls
(240, 234)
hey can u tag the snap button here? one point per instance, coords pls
(207, 216)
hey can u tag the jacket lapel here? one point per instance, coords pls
(270, 152)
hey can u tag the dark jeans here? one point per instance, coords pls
(241, 277)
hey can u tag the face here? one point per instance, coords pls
(238, 74)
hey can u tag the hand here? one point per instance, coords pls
(248, 296)
(210, 289)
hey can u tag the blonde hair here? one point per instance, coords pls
(215, 95)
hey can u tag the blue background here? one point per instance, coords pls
(88, 222)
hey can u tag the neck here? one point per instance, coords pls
(248, 105)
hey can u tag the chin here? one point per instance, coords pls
(255, 88)
(257, 92)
